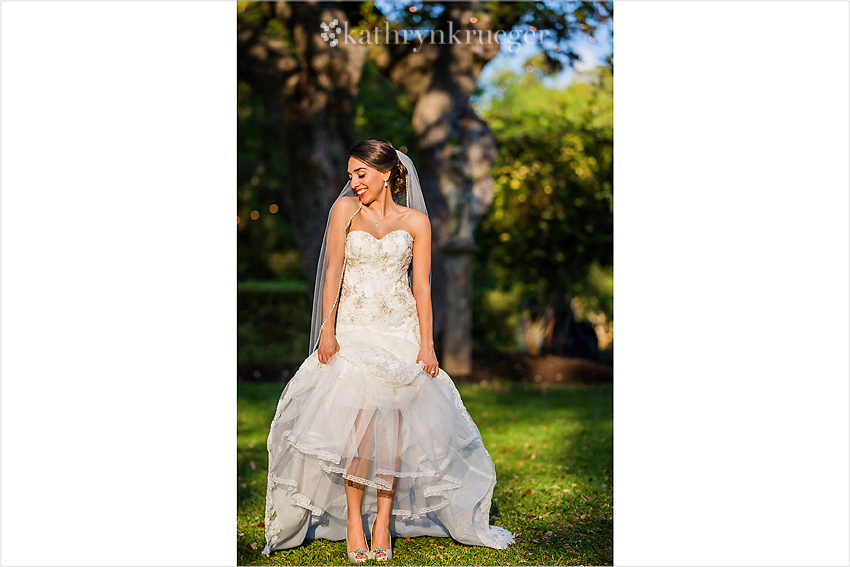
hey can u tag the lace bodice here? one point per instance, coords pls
(376, 292)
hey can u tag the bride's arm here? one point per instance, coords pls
(335, 253)
(422, 291)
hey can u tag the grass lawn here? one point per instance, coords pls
(553, 450)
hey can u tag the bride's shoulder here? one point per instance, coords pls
(417, 220)
(347, 205)
(414, 215)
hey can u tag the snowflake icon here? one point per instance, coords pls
(329, 35)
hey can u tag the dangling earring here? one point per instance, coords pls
(385, 183)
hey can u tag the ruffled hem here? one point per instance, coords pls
(372, 415)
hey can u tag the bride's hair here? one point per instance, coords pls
(381, 155)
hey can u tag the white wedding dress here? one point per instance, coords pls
(372, 415)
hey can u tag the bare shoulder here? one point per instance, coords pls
(346, 206)
(418, 221)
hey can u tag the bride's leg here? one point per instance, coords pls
(359, 468)
(355, 538)
(381, 537)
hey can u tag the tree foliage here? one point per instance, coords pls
(549, 233)
(265, 246)
(383, 111)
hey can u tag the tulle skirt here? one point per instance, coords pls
(373, 416)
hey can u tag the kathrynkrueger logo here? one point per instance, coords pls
(333, 32)
(328, 35)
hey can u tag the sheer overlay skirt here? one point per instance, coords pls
(372, 416)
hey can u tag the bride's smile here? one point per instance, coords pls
(361, 176)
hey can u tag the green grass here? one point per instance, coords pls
(553, 450)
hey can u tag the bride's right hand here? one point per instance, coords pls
(327, 347)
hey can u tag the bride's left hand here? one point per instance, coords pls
(427, 355)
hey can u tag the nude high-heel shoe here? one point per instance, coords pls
(388, 553)
(352, 555)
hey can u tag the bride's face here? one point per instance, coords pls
(367, 182)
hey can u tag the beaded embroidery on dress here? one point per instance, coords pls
(372, 415)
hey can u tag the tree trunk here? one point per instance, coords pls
(309, 90)
(459, 150)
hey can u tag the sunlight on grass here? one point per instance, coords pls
(553, 450)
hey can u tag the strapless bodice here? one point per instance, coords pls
(376, 293)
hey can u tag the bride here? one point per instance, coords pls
(370, 431)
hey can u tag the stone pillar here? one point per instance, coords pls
(457, 332)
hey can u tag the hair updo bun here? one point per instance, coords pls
(398, 181)
(381, 155)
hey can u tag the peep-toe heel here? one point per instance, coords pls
(388, 553)
(352, 555)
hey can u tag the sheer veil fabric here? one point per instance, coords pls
(372, 415)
